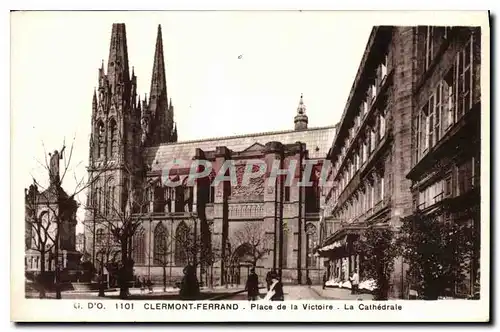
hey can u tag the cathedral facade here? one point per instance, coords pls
(222, 229)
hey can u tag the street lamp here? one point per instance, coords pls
(101, 275)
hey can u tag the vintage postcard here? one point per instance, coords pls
(264, 166)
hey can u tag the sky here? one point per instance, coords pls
(227, 73)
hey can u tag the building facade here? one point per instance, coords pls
(46, 212)
(446, 130)
(262, 224)
(396, 148)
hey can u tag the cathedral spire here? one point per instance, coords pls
(158, 80)
(301, 119)
(118, 71)
(160, 112)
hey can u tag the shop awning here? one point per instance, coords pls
(336, 244)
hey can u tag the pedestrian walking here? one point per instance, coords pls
(150, 286)
(269, 278)
(325, 279)
(354, 282)
(309, 282)
(276, 289)
(252, 286)
(190, 288)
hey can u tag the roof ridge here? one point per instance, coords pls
(243, 135)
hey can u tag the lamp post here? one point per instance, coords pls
(101, 275)
(149, 248)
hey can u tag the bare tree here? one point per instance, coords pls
(47, 208)
(122, 222)
(39, 232)
(252, 237)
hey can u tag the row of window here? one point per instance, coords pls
(433, 37)
(463, 178)
(363, 200)
(361, 155)
(112, 139)
(378, 78)
(165, 248)
(451, 99)
(104, 199)
(34, 263)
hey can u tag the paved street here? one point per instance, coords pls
(302, 292)
(136, 294)
(292, 292)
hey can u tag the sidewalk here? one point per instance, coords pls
(340, 294)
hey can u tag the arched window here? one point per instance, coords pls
(311, 242)
(109, 197)
(99, 236)
(113, 135)
(139, 246)
(161, 249)
(101, 143)
(182, 244)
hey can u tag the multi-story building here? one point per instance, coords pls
(446, 145)
(397, 145)
(371, 152)
(263, 224)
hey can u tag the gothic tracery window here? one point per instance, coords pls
(139, 246)
(113, 133)
(101, 143)
(99, 236)
(161, 248)
(182, 244)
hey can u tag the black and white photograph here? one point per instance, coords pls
(239, 162)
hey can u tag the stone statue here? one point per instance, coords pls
(54, 166)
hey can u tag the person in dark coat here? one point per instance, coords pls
(325, 279)
(190, 288)
(252, 285)
(269, 278)
(278, 288)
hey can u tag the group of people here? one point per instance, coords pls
(274, 286)
(354, 279)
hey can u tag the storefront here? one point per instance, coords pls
(340, 256)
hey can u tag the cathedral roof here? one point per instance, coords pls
(317, 140)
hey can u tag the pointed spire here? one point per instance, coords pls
(94, 101)
(158, 101)
(174, 133)
(158, 80)
(118, 56)
(301, 119)
(301, 109)
(158, 93)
